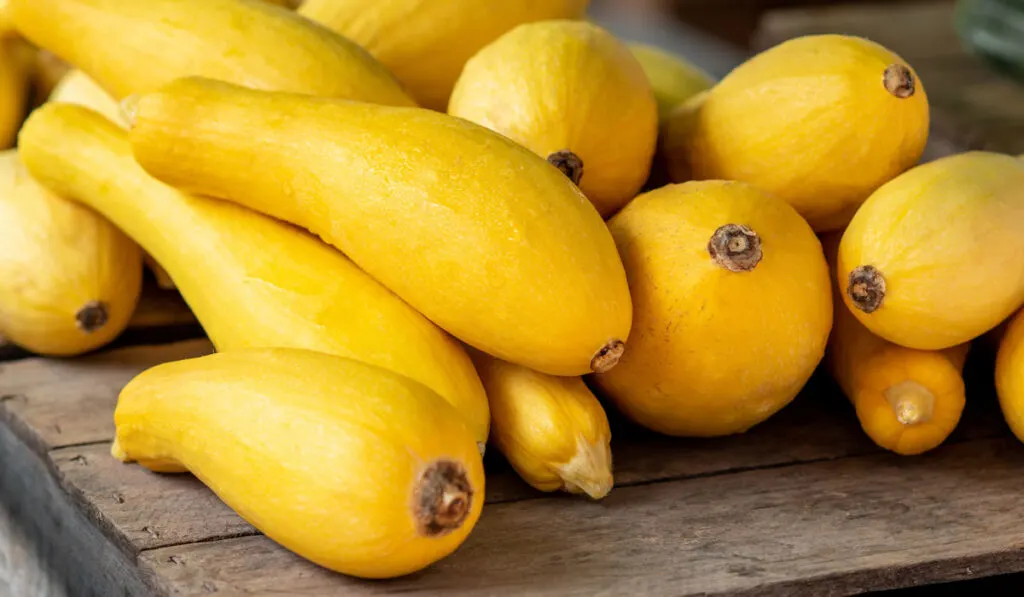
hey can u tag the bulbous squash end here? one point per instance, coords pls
(93, 316)
(866, 288)
(590, 469)
(569, 163)
(606, 358)
(442, 499)
(899, 81)
(735, 247)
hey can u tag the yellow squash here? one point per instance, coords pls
(356, 468)
(1010, 375)
(551, 429)
(13, 91)
(477, 233)
(935, 258)
(908, 401)
(673, 78)
(573, 94)
(76, 87)
(250, 280)
(820, 121)
(132, 46)
(732, 308)
(426, 44)
(69, 280)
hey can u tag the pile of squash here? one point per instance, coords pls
(409, 228)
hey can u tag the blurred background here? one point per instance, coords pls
(968, 53)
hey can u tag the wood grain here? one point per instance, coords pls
(139, 509)
(22, 571)
(61, 402)
(827, 528)
(78, 559)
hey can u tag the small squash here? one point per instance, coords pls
(820, 121)
(551, 429)
(673, 78)
(466, 232)
(732, 308)
(133, 46)
(935, 258)
(358, 469)
(426, 44)
(908, 401)
(573, 94)
(69, 280)
(250, 280)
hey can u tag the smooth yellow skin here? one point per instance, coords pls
(319, 452)
(133, 46)
(809, 121)
(1010, 375)
(250, 280)
(673, 78)
(476, 232)
(551, 429)
(13, 92)
(426, 44)
(56, 257)
(715, 352)
(567, 85)
(76, 87)
(887, 382)
(6, 26)
(947, 238)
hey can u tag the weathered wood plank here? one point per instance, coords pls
(62, 402)
(84, 562)
(22, 570)
(827, 528)
(140, 510)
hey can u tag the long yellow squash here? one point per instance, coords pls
(131, 46)
(908, 401)
(482, 236)
(935, 257)
(356, 468)
(69, 280)
(552, 430)
(250, 280)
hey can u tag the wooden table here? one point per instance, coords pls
(804, 504)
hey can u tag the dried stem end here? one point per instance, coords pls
(911, 402)
(735, 247)
(569, 163)
(866, 288)
(442, 499)
(608, 356)
(589, 471)
(899, 81)
(92, 316)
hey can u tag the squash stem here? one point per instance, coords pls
(911, 402)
